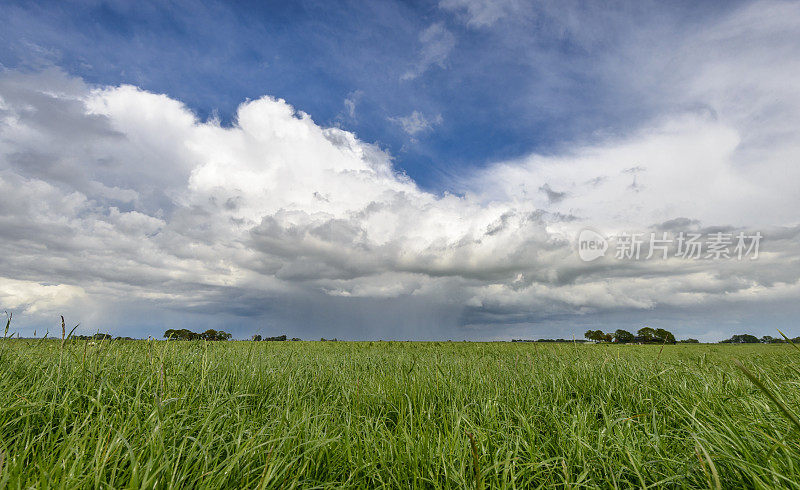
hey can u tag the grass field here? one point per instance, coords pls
(404, 415)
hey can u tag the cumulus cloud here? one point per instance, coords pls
(128, 196)
(116, 201)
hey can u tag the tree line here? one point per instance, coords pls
(645, 335)
(752, 339)
(648, 335)
(279, 338)
(559, 341)
(185, 334)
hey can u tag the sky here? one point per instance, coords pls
(387, 170)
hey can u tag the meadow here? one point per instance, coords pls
(180, 414)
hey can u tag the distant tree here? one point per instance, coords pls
(210, 334)
(623, 336)
(608, 337)
(279, 338)
(256, 338)
(556, 340)
(689, 341)
(742, 339)
(664, 336)
(596, 335)
(646, 334)
(182, 334)
(296, 339)
(769, 339)
(748, 339)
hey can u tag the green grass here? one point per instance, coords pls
(313, 414)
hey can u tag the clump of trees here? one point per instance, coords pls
(97, 336)
(645, 335)
(599, 336)
(742, 339)
(185, 334)
(279, 338)
(100, 336)
(548, 340)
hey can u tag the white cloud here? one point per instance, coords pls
(481, 13)
(437, 43)
(34, 297)
(350, 103)
(416, 123)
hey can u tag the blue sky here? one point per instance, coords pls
(396, 170)
(525, 82)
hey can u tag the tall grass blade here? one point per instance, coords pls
(783, 408)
